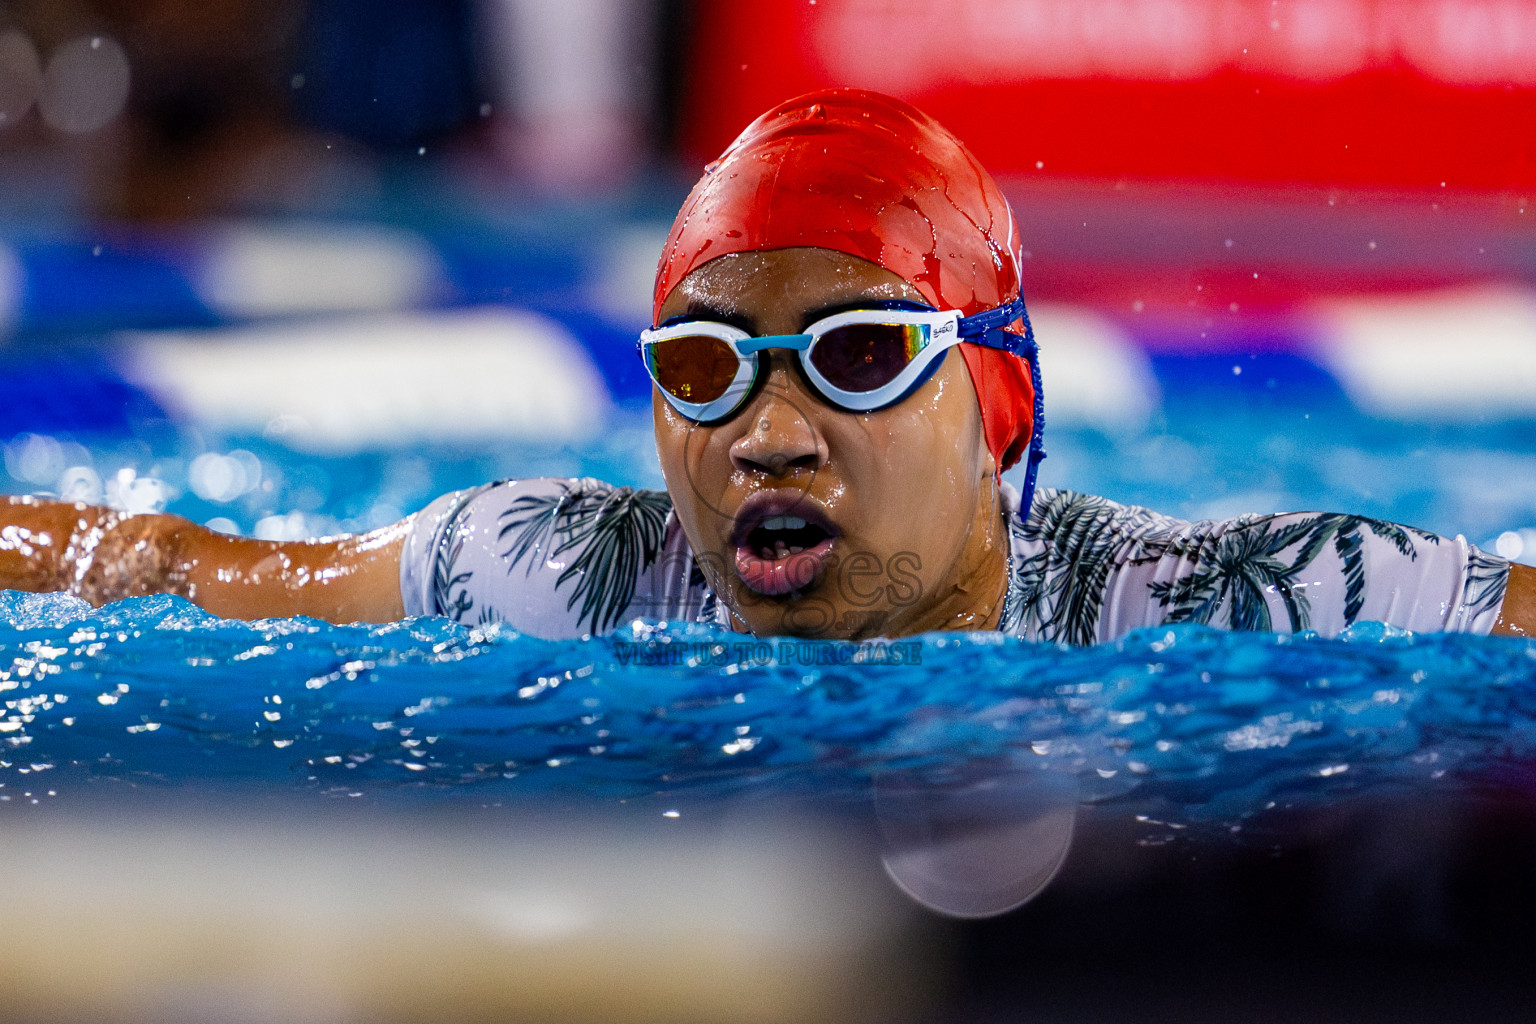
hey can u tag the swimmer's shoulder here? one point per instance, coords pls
(547, 501)
(1057, 514)
(551, 556)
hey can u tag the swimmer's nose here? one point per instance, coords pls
(778, 438)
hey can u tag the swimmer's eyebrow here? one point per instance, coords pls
(703, 311)
(698, 310)
(866, 303)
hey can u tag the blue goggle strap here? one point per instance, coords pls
(986, 328)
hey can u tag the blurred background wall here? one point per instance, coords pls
(171, 110)
(1332, 146)
(1180, 165)
(168, 108)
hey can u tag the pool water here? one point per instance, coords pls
(1187, 730)
(1186, 725)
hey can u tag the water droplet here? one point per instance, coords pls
(978, 847)
(85, 85)
(1510, 545)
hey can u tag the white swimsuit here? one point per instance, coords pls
(565, 558)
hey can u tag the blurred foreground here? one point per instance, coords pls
(249, 910)
(1389, 912)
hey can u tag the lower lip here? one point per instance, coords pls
(778, 576)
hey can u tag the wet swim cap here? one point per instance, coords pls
(870, 176)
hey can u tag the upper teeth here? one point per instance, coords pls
(784, 523)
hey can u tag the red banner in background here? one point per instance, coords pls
(1375, 93)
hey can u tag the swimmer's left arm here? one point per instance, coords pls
(1518, 615)
(101, 555)
(1290, 572)
(353, 578)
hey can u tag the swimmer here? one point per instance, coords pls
(843, 368)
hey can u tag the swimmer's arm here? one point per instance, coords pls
(1518, 616)
(102, 556)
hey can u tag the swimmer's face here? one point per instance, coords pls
(901, 531)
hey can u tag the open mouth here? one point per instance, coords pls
(779, 551)
(779, 536)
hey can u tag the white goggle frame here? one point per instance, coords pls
(942, 331)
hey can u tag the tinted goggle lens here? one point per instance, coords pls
(865, 357)
(695, 368)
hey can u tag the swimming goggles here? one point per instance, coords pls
(859, 361)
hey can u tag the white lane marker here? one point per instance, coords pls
(338, 385)
(253, 271)
(1454, 354)
(1092, 372)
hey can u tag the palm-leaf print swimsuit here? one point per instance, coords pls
(565, 558)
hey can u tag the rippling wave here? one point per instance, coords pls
(1185, 725)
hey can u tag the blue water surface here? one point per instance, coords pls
(1186, 725)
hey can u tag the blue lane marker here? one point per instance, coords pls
(48, 393)
(74, 287)
(1255, 380)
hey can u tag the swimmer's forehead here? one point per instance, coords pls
(805, 283)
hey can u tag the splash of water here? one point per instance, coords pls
(1185, 725)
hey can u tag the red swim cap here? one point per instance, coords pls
(873, 177)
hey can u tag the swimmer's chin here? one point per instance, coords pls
(801, 616)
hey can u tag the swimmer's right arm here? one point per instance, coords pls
(1517, 617)
(102, 555)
